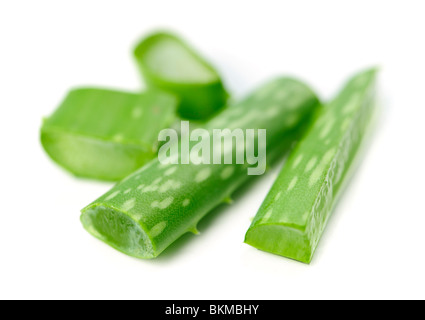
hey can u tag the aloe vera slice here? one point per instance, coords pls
(168, 63)
(105, 134)
(146, 212)
(294, 214)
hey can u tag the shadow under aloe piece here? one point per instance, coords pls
(168, 63)
(294, 214)
(105, 134)
(149, 210)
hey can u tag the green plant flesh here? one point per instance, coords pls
(106, 134)
(294, 214)
(166, 62)
(146, 212)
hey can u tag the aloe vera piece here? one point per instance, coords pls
(168, 63)
(294, 214)
(105, 134)
(145, 213)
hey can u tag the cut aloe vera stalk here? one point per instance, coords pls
(149, 210)
(294, 214)
(105, 134)
(168, 63)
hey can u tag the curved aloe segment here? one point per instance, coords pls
(105, 134)
(149, 210)
(294, 214)
(168, 63)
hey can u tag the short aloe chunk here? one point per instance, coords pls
(294, 214)
(105, 134)
(168, 63)
(146, 212)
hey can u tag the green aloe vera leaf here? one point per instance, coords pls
(146, 212)
(294, 214)
(105, 134)
(169, 64)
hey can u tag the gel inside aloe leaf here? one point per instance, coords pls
(169, 64)
(295, 213)
(105, 134)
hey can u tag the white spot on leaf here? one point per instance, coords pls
(170, 171)
(158, 229)
(151, 188)
(345, 124)
(128, 205)
(278, 196)
(272, 112)
(315, 176)
(227, 173)
(112, 195)
(156, 181)
(291, 120)
(292, 183)
(163, 204)
(203, 175)
(311, 164)
(305, 216)
(352, 104)
(282, 94)
(298, 161)
(170, 185)
(327, 128)
(267, 215)
(320, 169)
(137, 112)
(118, 137)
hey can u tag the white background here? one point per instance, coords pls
(374, 244)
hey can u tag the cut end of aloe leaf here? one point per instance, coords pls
(118, 230)
(169, 64)
(90, 158)
(281, 240)
(169, 58)
(106, 134)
